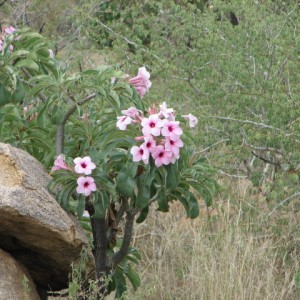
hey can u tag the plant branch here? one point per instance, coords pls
(60, 131)
(283, 202)
(117, 257)
(232, 175)
(213, 145)
(127, 40)
(245, 122)
(121, 211)
(100, 248)
(263, 149)
(266, 160)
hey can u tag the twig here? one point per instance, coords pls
(233, 176)
(245, 122)
(196, 90)
(121, 211)
(213, 145)
(263, 149)
(266, 160)
(60, 131)
(283, 202)
(127, 40)
(118, 257)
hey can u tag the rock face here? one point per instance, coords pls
(15, 281)
(34, 229)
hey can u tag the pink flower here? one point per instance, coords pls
(192, 120)
(86, 185)
(9, 30)
(149, 143)
(166, 112)
(173, 145)
(171, 129)
(123, 122)
(140, 153)
(131, 112)
(152, 125)
(59, 164)
(162, 156)
(141, 82)
(84, 165)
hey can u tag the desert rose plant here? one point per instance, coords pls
(110, 155)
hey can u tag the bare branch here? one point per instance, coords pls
(213, 145)
(233, 176)
(283, 202)
(196, 90)
(245, 122)
(266, 160)
(121, 211)
(127, 40)
(263, 149)
(128, 230)
(60, 131)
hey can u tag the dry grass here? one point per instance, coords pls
(233, 254)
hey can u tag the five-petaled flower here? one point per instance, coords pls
(140, 153)
(152, 125)
(86, 185)
(84, 165)
(162, 156)
(173, 145)
(171, 129)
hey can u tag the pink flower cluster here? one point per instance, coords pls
(85, 184)
(161, 134)
(5, 32)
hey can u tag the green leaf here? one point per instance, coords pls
(126, 183)
(101, 203)
(172, 179)
(143, 215)
(86, 226)
(133, 277)
(5, 95)
(143, 192)
(193, 206)
(120, 282)
(81, 205)
(162, 200)
(28, 63)
(19, 94)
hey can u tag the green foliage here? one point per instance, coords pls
(43, 106)
(242, 78)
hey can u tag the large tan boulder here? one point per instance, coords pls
(15, 280)
(34, 229)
